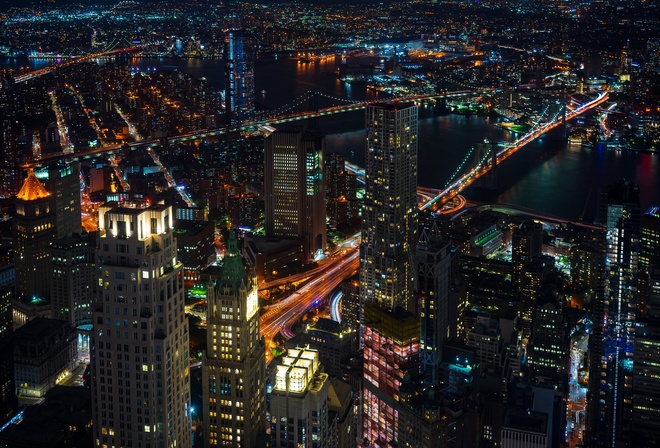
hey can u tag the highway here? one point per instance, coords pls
(281, 317)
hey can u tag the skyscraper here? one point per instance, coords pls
(435, 256)
(34, 230)
(233, 370)
(139, 348)
(62, 181)
(649, 255)
(389, 213)
(388, 266)
(239, 76)
(73, 271)
(620, 212)
(295, 188)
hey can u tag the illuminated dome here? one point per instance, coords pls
(32, 188)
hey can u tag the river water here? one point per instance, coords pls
(546, 175)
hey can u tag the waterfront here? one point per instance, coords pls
(547, 175)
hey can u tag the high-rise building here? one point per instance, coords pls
(62, 181)
(649, 255)
(620, 212)
(8, 401)
(391, 351)
(295, 188)
(435, 257)
(239, 76)
(388, 266)
(526, 243)
(341, 189)
(233, 370)
(389, 213)
(139, 347)
(299, 402)
(646, 371)
(547, 349)
(34, 231)
(73, 275)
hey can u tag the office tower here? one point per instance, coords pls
(389, 213)
(486, 340)
(343, 205)
(299, 402)
(350, 303)
(547, 350)
(8, 401)
(526, 243)
(62, 181)
(195, 247)
(34, 230)
(233, 370)
(649, 254)
(532, 275)
(391, 350)
(73, 275)
(522, 428)
(295, 188)
(239, 76)
(646, 371)
(333, 342)
(619, 211)
(139, 348)
(435, 257)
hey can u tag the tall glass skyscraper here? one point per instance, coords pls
(239, 76)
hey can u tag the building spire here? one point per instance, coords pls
(32, 188)
(233, 273)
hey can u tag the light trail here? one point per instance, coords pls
(335, 300)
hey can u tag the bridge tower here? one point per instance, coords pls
(313, 106)
(485, 153)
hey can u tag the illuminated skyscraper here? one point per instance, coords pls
(139, 347)
(233, 370)
(388, 267)
(620, 213)
(389, 213)
(649, 255)
(62, 181)
(299, 402)
(239, 76)
(295, 188)
(34, 231)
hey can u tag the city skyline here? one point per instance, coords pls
(421, 224)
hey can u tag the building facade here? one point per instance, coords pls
(34, 230)
(239, 76)
(295, 188)
(73, 271)
(139, 347)
(233, 370)
(389, 213)
(299, 402)
(435, 257)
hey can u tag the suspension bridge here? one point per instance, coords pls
(482, 157)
